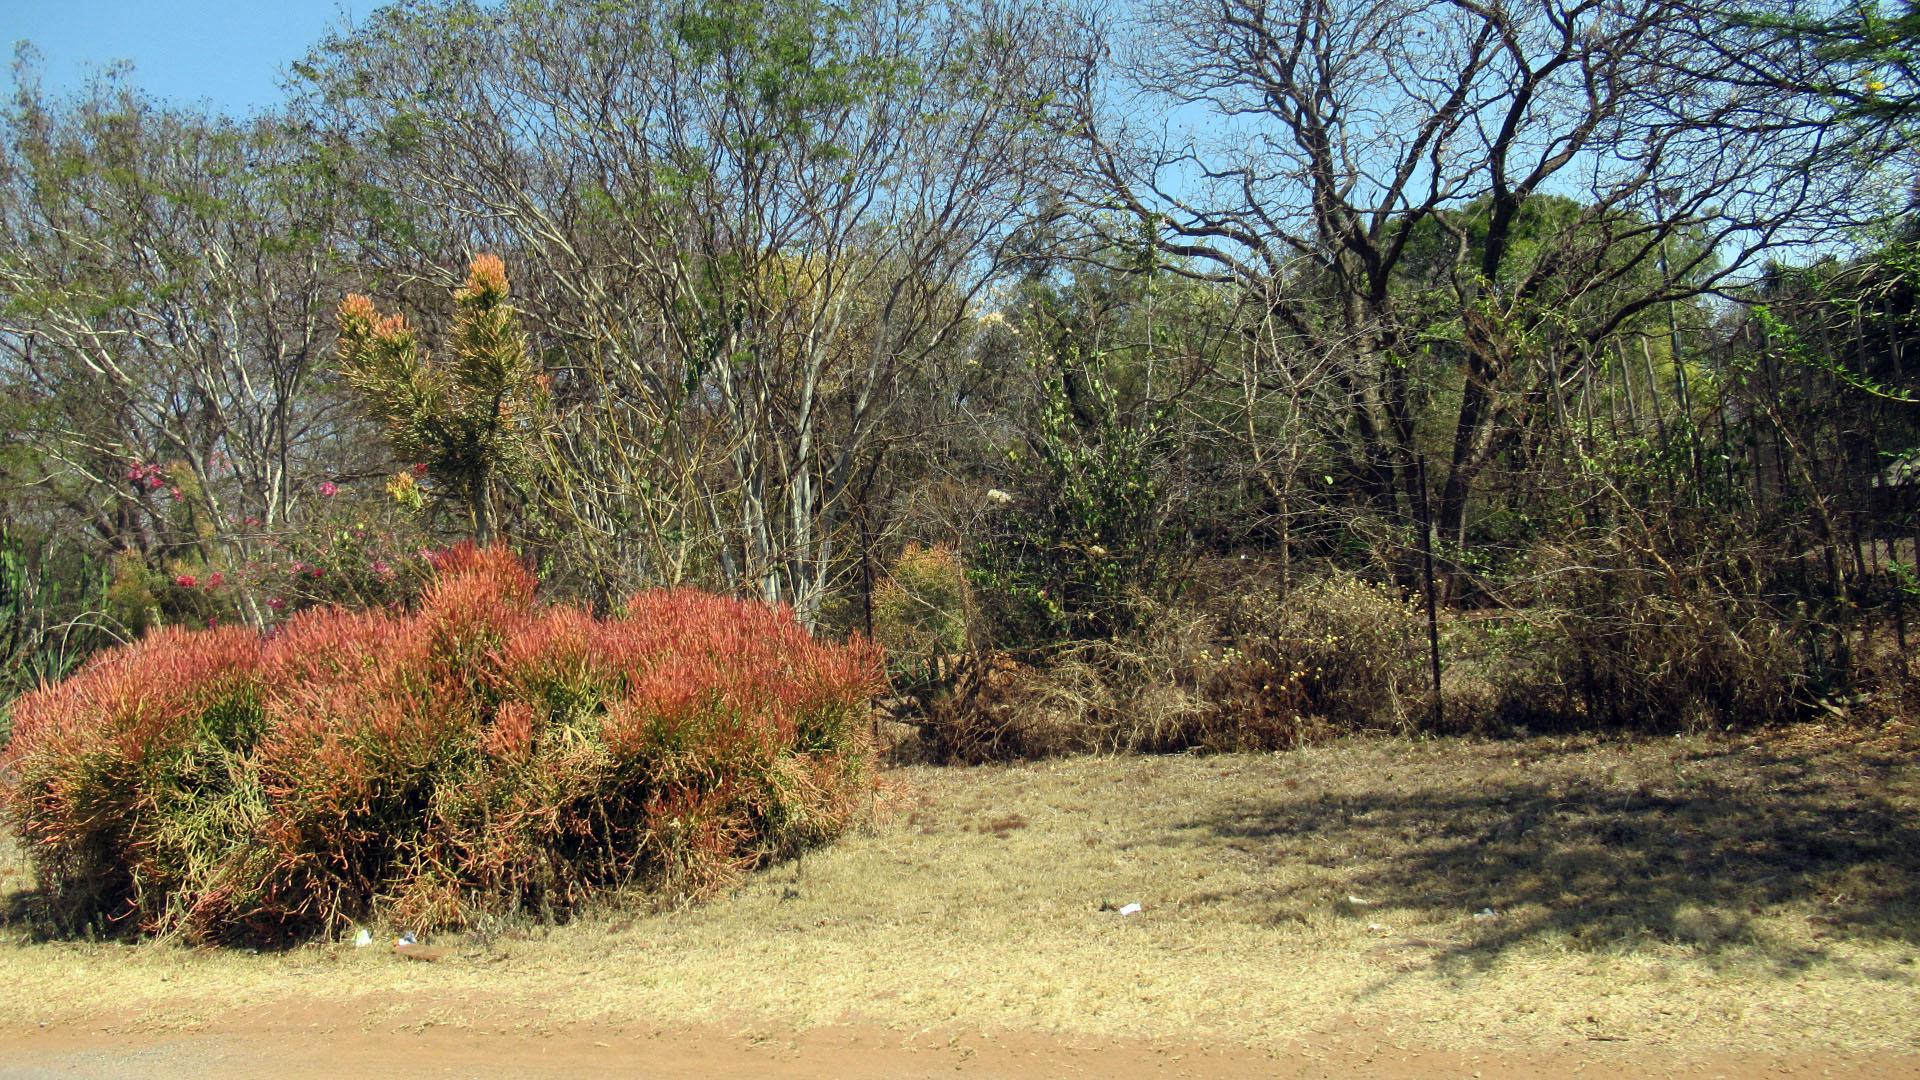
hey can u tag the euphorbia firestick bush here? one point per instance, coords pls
(484, 754)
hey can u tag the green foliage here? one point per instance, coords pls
(1089, 527)
(793, 60)
(1818, 304)
(1084, 542)
(54, 611)
(921, 610)
(1872, 50)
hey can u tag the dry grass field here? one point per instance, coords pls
(1692, 899)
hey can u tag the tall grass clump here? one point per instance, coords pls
(1672, 647)
(483, 754)
(1250, 669)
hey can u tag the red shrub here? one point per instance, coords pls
(482, 754)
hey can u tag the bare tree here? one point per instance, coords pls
(162, 318)
(739, 226)
(1310, 151)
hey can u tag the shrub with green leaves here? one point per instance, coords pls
(920, 611)
(1085, 535)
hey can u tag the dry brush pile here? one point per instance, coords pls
(483, 754)
(1245, 668)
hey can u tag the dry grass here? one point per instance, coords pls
(1692, 894)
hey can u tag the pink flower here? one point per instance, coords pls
(277, 604)
(216, 579)
(253, 521)
(154, 483)
(381, 568)
(317, 571)
(213, 621)
(419, 468)
(328, 489)
(186, 581)
(175, 492)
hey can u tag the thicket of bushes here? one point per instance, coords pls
(1248, 667)
(481, 754)
(1242, 663)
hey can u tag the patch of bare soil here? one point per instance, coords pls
(299, 1037)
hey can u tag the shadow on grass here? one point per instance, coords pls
(30, 913)
(25, 911)
(1774, 854)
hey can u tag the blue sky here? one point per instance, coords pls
(230, 54)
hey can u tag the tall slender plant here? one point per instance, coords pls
(469, 418)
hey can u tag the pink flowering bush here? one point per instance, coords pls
(482, 753)
(355, 547)
(338, 541)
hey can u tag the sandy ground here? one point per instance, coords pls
(296, 1038)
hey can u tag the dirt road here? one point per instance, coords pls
(472, 1040)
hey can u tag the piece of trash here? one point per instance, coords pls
(1130, 909)
(408, 945)
(363, 939)
(1379, 928)
(1357, 902)
(1485, 915)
